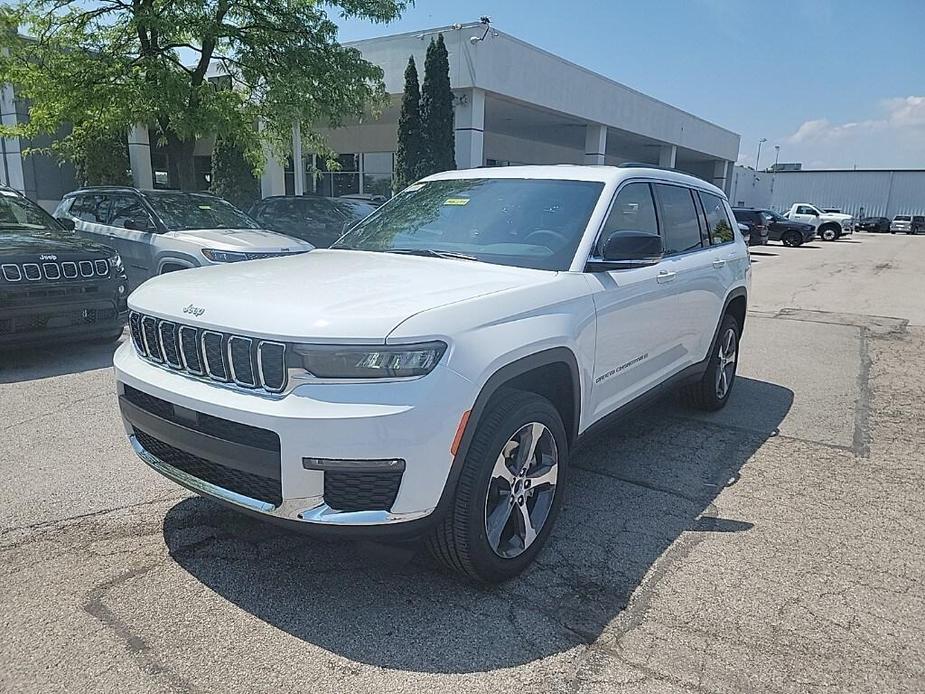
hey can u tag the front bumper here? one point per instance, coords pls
(28, 318)
(412, 421)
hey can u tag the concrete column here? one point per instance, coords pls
(273, 178)
(139, 156)
(667, 156)
(469, 121)
(722, 173)
(595, 143)
(11, 172)
(298, 166)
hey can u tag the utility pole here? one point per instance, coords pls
(758, 157)
(776, 155)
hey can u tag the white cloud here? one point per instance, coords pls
(894, 139)
(906, 111)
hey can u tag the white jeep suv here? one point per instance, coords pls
(429, 374)
(158, 231)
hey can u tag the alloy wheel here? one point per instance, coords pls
(726, 368)
(521, 490)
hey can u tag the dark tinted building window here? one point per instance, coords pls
(680, 226)
(718, 223)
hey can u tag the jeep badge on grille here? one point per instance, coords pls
(194, 310)
(48, 257)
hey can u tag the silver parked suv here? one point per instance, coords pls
(158, 231)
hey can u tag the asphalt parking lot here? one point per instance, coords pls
(777, 546)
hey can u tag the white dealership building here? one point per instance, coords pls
(515, 103)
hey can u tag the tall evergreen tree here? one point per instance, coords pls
(437, 110)
(410, 138)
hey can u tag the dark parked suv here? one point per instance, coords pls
(54, 285)
(874, 224)
(777, 228)
(320, 221)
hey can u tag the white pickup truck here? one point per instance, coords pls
(830, 226)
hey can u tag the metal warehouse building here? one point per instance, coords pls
(862, 193)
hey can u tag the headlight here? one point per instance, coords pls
(217, 256)
(393, 361)
(115, 262)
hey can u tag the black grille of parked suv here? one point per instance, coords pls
(244, 361)
(54, 271)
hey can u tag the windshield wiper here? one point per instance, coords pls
(431, 253)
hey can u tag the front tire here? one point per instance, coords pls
(712, 391)
(829, 234)
(509, 491)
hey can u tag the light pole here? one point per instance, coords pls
(758, 157)
(776, 155)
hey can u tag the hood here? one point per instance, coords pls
(836, 216)
(26, 246)
(323, 296)
(252, 240)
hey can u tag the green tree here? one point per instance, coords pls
(233, 176)
(437, 110)
(108, 64)
(101, 160)
(408, 158)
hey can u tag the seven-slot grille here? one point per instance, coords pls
(54, 271)
(237, 359)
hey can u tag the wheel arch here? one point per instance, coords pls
(523, 373)
(182, 261)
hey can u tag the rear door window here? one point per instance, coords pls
(678, 215)
(718, 223)
(91, 208)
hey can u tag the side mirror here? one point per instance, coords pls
(628, 249)
(138, 224)
(68, 224)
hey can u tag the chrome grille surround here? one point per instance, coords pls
(32, 271)
(236, 361)
(11, 272)
(52, 271)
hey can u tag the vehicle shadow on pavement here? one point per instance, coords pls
(32, 363)
(640, 499)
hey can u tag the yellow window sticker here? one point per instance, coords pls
(456, 201)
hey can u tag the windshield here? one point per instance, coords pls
(17, 212)
(533, 223)
(354, 210)
(187, 211)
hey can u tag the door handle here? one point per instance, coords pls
(718, 263)
(665, 276)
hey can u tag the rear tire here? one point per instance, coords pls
(712, 391)
(490, 494)
(792, 239)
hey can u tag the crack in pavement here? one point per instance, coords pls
(136, 646)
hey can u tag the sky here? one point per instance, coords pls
(834, 83)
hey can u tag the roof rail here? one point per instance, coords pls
(645, 165)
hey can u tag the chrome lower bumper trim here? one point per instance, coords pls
(197, 484)
(318, 513)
